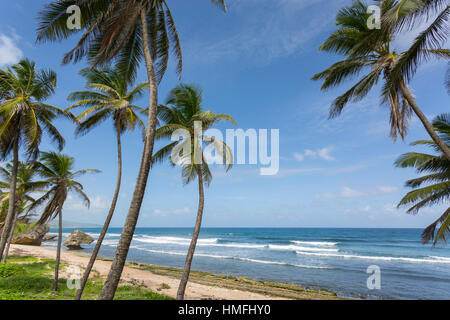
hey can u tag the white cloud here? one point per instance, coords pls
(350, 193)
(347, 192)
(9, 52)
(298, 156)
(184, 210)
(323, 153)
(387, 189)
(286, 25)
(291, 172)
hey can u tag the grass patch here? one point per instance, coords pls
(21, 259)
(35, 282)
(8, 270)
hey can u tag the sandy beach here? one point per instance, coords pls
(135, 274)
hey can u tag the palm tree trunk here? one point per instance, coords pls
(58, 252)
(11, 233)
(428, 126)
(12, 199)
(198, 224)
(112, 281)
(107, 221)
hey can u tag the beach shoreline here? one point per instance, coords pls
(164, 280)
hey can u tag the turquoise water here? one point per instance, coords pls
(319, 258)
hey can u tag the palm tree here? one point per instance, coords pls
(125, 31)
(185, 113)
(26, 185)
(407, 14)
(110, 98)
(436, 181)
(57, 169)
(371, 49)
(23, 118)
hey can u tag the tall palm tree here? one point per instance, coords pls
(407, 14)
(366, 49)
(23, 118)
(185, 113)
(125, 31)
(57, 170)
(26, 186)
(433, 187)
(109, 97)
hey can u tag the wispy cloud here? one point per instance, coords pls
(274, 29)
(323, 153)
(347, 192)
(161, 212)
(9, 51)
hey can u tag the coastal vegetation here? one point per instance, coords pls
(108, 97)
(24, 117)
(26, 186)
(185, 114)
(372, 50)
(57, 170)
(30, 278)
(117, 38)
(433, 187)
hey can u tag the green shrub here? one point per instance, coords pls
(23, 227)
(8, 270)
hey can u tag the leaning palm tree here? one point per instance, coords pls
(433, 187)
(405, 15)
(367, 49)
(23, 118)
(26, 186)
(108, 97)
(57, 170)
(125, 31)
(186, 114)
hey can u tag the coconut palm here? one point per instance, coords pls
(186, 114)
(407, 14)
(109, 97)
(125, 31)
(23, 118)
(26, 186)
(433, 187)
(57, 170)
(366, 49)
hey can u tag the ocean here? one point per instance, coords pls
(333, 259)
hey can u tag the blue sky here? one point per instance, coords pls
(254, 63)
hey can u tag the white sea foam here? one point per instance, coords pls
(172, 240)
(212, 242)
(230, 257)
(300, 248)
(110, 243)
(381, 258)
(315, 243)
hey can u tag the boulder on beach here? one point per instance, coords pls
(76, 238)
(50, 237)
(32, 236)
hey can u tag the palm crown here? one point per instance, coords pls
(57, 170)
(26, 186)
(433, 187)
(24, 114)
(109, 97)
(406, 14)
(367, 49)
(185, 113)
